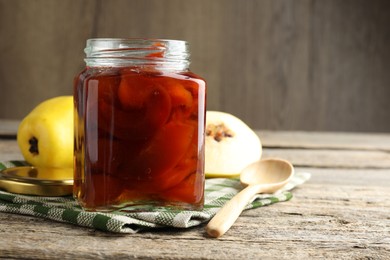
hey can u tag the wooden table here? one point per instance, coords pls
(342, 212)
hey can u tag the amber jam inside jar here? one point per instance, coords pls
(139, 126)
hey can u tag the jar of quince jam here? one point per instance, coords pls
(139, 126)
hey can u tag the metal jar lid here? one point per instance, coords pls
(30, 180)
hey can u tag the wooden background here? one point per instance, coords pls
(277, 64)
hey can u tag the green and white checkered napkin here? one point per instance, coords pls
(65, 209)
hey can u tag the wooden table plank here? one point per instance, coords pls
(344, 177)
(332, 159)
(325, 140)
(9, 150)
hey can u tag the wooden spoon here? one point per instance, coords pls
(264, 176)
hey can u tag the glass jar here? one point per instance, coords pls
(139, 126)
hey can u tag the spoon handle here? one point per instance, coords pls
(226, 216)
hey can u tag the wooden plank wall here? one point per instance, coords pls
(277, 64)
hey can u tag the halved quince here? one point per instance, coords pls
(231, 145)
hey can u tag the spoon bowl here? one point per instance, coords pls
(264, 176)
(271, 174)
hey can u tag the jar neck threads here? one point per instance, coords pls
(117, 52)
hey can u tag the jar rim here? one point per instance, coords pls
(135, 40)
(124, 51)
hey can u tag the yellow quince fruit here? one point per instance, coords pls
(45, 135)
